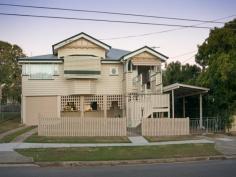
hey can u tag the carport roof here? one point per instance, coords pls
(183, 90)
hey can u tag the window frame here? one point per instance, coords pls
(28, 71)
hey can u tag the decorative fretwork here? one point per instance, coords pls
(73, 102)
(133, 97)
(68, 101)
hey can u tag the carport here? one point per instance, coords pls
(178, 90)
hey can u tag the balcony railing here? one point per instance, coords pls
(154, 79)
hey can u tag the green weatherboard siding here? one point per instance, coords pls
(81, 72)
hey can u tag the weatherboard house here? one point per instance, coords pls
(87, 88)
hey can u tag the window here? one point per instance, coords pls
(114, 71)
(26, 69)
(40, 71)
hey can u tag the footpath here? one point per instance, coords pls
(226, 145)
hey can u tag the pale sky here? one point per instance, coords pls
(36, 36)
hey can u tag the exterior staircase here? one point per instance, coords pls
(144, 106)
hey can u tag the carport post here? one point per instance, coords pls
(200, 101)
(173, 103)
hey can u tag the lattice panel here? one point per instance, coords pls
(118, 98)
(97, 98)
(133, 97)
(68, 99)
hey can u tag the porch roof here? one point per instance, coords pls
(183, 90)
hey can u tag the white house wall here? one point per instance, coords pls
(105, 84)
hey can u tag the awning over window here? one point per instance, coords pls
(82, 66)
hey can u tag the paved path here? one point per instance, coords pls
(24, 136)
(11, 131)
(12, 146)
(222, 168)
(138, 140)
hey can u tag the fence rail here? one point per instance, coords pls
(76, 126)
(165, 126)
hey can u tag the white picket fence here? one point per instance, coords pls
(76, 126)
(165, 126)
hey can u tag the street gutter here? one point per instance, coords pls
(130, 162)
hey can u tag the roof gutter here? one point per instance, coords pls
(21, 61)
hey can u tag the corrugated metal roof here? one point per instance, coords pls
(41, 57)
(116, 54)
(113, 54)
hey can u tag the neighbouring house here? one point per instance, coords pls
(85, 81)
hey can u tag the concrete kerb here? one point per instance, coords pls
(128, 162)
(119, 162)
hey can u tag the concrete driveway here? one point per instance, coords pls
(226, 145)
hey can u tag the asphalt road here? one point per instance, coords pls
(223, 168)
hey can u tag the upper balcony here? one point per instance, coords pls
(82, 67)
(146, 79)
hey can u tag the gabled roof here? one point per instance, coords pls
(76, 37)
(145, 49)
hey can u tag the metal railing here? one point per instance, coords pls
(9, 111)
(209, 125)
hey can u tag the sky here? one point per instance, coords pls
(36, 35)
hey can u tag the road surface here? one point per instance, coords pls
(219, 168)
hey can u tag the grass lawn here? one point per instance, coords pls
(119, 153)
(171, 138)
(9, 124)
(12, 136)
(47, 139)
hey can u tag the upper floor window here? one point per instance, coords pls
(40, 71)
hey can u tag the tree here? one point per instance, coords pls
(217, 56)
(10, 71)
(175, 72)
